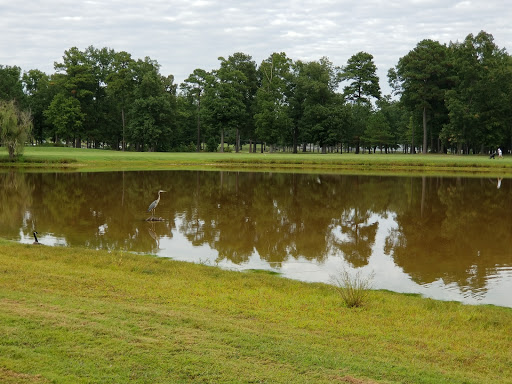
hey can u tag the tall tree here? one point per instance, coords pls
(478, 104)
(100, 116)
(421, 78)
(314, 97)
(151, 115)
(245, 86)
(39, 93)
(65, 116)
(76, 79)
(360, 71)
(224, 107)
(272, 117)
(194, 87)
(121, 86)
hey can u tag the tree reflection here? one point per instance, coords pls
(455, 229)
(16, 196)
(360, 234)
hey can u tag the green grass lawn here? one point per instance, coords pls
(82, 316)
(70, 315)
(94, 160)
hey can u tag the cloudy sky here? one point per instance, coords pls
(184, 35)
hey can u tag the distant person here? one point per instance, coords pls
(500, 154)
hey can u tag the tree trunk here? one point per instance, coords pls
(122, 119)
(424, 130)
(412, 140)
(198, 149)
(295, 139)
(222, 140)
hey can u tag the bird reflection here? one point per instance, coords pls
(152, 233)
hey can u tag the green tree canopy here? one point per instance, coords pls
(193, 87)
(11, 86)
(360, 71)
(272, 116)
(421, 78)
(479, 102)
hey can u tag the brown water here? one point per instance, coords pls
(447, 238)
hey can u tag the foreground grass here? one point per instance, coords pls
(81, 316)
(97, 160)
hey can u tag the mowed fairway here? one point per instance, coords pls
(82, 316)
(96, 159)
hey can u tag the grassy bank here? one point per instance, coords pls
(81, 316)
(97, 160)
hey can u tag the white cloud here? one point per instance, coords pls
(184, 35)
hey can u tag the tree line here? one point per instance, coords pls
(445, 97)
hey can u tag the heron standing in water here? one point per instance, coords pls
(153, 205)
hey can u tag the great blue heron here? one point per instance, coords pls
(153, 205)
(36, 242)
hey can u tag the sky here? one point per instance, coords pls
(184, 35)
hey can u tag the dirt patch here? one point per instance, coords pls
(353, 380)
(11, 377)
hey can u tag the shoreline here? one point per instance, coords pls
(96, 160)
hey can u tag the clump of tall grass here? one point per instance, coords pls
(352, 287)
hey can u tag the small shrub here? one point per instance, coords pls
(353, 288)
(211, 145)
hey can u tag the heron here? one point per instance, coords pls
(153, 205)
(36, 242)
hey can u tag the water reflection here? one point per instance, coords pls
(445, 237)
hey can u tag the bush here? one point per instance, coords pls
(191, 147)
(353, 288)
(211, 145)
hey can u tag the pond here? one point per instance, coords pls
(443, 237)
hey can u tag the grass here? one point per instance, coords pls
(98, 160)
(71, 315)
